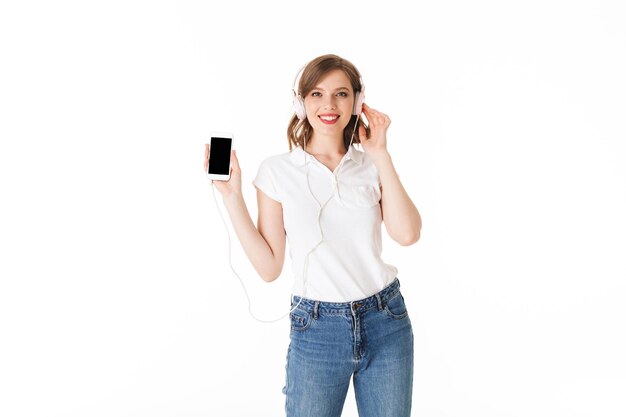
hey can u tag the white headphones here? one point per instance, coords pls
(298, 101)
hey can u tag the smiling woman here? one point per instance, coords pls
(343, 84)
(329, 199)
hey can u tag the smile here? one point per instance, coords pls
(329, 119)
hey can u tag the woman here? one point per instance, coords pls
(348, 316)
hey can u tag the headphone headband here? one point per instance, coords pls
(296, 79)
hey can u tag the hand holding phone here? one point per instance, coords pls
(220, 163)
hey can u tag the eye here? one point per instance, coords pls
(316, 94)
(343, 94)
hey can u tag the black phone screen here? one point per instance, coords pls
(219, 158)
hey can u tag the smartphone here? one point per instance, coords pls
(219, 156)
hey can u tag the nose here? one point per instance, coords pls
(329, 101)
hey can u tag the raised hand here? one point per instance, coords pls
(376, 143)
(233, 185)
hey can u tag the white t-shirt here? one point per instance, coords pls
(347, 265)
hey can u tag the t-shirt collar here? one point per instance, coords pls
(298, 154)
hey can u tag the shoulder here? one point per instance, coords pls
(280, 160)
(367, 169)
(276, 157)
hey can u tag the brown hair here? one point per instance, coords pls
(312, 74)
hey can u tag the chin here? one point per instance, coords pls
(331, 128)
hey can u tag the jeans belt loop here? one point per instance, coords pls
(316, 308)
(379, 301)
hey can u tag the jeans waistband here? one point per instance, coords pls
(377, 300)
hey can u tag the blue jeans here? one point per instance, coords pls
(370, 340)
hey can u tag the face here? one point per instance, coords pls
(329, 105)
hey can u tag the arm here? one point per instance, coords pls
(402, 219)
(265, 246)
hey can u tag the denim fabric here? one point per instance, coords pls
(369, 340)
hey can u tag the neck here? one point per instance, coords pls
(325, 145)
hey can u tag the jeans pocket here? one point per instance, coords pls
(395, 307)
(300, 319)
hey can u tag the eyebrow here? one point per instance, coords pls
(336, 89)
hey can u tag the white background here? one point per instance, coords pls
(508, 133)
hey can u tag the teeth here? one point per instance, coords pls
(329, 118)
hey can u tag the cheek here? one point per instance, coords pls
(347, 107)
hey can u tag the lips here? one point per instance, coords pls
(329, 119)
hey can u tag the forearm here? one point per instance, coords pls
(402, 219)
(254, 245)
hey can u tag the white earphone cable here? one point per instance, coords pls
(306, 261)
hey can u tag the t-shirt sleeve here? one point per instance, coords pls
(265, 181)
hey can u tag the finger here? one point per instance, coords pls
(379, 117)
(370, 110)
(374, 115)
(382, 118)
(235, 161)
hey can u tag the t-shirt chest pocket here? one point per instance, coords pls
(360, 196)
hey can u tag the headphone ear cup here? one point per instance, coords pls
(298, 106)
(358, 103)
